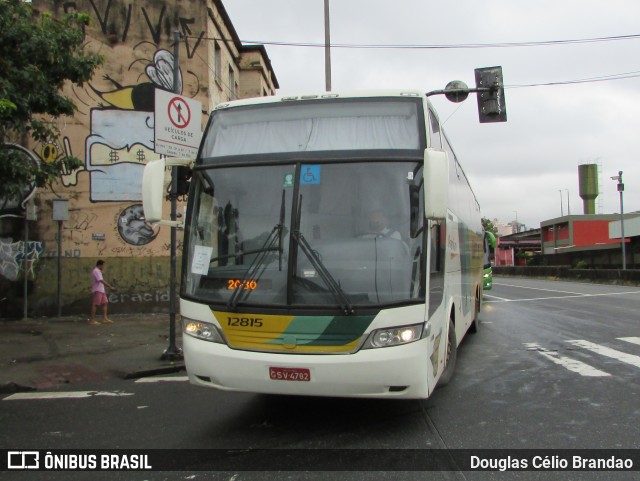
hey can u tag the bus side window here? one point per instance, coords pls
(434, 130)
(437, 253)
(436, 272)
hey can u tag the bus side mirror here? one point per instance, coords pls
(153, 190)
(436, 184)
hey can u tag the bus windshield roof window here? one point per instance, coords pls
(315, 126)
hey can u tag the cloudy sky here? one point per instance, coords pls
(525, 166)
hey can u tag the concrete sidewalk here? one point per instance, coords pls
(48, 353)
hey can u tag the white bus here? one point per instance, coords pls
(332, 247)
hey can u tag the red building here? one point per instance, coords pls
(570, 239)
(516, 249)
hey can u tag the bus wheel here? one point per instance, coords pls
(450, 357)
(475, 324)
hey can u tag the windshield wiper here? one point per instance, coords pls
(325, 275)
(258, 266)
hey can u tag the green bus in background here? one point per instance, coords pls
(489, 249)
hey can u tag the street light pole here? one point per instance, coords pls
(561, 211)
(568, 205)
(621, 190)
(327, 47)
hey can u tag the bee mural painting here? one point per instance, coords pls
(122, 133)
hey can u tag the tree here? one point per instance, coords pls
(38, 55)
(489, 226)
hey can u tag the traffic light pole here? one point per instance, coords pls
(173, 352)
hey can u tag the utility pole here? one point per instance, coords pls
(29, 215)
(173, 352)
(621, 190)
(25, 253)
(60, 214)
(327, 47)
(561, 211)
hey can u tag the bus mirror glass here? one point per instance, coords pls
(153, 190)
(436, 184)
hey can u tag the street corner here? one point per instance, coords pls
(54, 375)
(46, 375)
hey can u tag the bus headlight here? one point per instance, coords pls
(201, 330)
(393, 336)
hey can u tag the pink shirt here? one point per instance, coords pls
(96, 281)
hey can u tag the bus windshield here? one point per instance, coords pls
(331, 236)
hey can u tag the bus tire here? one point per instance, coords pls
(450, 356)
(476, 314)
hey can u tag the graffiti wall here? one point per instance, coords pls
(113, 133)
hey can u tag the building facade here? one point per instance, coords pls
(571, 239)
(113, 133)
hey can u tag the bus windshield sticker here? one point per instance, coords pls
(201, 260)
(310, 174)
(288, 180)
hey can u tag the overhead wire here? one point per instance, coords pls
(603, 78)
(434, 46)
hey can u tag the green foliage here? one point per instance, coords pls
(38, 55)
(582, 264)
(488, 226)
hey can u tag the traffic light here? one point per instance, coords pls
(183, 176)
(491, 104)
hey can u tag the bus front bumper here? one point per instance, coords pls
(390, 372)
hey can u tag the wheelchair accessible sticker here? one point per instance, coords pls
(310, 174)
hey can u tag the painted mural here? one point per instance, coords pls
(122, 132)
(114, 126)
(16, 207)
(112, 132)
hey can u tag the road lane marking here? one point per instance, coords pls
(566, 297)
(64, 395)
(632, 340)
(163, 379)
(608, 352)
(572, 365)
(495, 297)
(539, 289)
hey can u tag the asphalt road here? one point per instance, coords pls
(554, 365)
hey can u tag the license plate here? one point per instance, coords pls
(289, 374)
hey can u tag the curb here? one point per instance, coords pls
(154, 372)
(12, 387)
